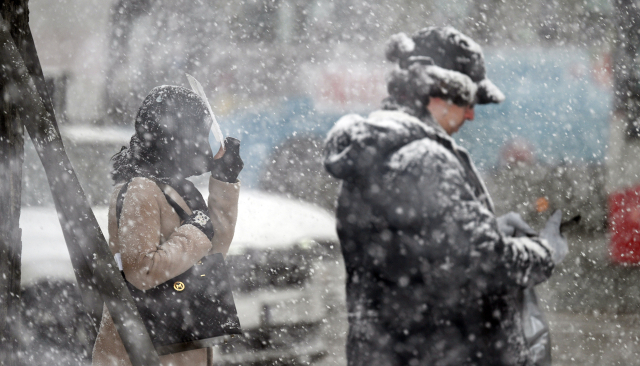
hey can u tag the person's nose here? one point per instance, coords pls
(469, 114)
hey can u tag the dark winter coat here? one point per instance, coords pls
(430, 279)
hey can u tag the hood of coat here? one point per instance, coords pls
(171, 137)
(356, 144)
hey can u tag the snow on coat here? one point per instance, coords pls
(430, 279)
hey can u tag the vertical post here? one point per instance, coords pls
(11, 160)
(623, 171)
(626, 65)
(624, 127)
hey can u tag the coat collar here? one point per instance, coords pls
(431, 128)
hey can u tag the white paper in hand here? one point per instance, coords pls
(551, 233)
(215, 134)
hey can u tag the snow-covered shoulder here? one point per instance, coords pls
(344, 126)
(354, 144)
(424, 154)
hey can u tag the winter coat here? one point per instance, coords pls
(430, 279)
(154, 248)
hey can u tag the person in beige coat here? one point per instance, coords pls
(149, 239)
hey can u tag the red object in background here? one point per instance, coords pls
(624, 226)
(517, 150)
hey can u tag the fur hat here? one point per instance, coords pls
(439, 62)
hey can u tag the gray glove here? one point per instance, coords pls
(551, 233)
(511, 224)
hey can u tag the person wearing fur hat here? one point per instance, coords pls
(433, 276)
(150, 241)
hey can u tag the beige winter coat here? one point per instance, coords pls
(155, 248)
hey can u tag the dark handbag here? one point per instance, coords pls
(190, 310)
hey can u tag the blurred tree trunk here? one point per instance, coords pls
(16, 13)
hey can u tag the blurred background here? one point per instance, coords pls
(279, 73)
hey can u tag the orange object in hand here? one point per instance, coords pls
(542, 204)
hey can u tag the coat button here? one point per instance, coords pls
(178, 286)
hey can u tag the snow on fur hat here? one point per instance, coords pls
(444, 63)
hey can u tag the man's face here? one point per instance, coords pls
(450, 116)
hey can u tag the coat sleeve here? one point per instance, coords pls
(430, 197)
(148, 261)
(223, 210)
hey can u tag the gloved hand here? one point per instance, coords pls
(551, 233)
(202, 221)
(511, 224)
(228, 167)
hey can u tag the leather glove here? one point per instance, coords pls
(202, 221)
(551, 233)
(511, 224)
(228, 167)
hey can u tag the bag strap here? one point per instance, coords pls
(179, 210)
(120, 202)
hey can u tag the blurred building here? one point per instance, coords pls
(257, 52)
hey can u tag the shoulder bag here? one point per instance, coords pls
(190, 310)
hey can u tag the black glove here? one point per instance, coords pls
(202, 221)
(228, 167)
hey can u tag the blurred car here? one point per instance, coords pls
(280, 254)
(282, 260)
